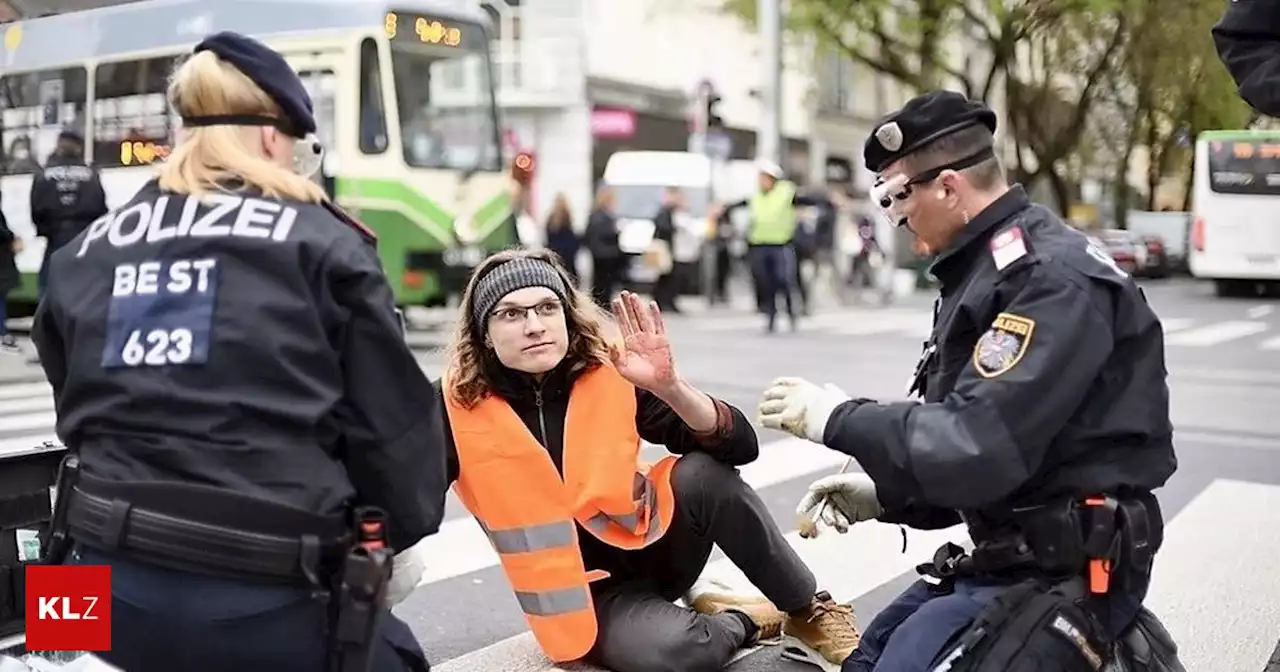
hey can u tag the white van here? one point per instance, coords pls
(638, 179)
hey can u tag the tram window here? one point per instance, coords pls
(34, 109)
(373, 116)
(132, 123)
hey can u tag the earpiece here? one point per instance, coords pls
(942, 193)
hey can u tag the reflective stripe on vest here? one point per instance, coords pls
(773, 215)
(528, 510)
(646, 497)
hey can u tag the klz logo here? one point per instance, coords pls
(59, 609)
(68, 608)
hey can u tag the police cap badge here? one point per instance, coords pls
(890, 136)
(1004, 344)
(922, 120)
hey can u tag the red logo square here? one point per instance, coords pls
(68, 608)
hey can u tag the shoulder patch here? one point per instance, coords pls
(1007, 247)
(1004, 344)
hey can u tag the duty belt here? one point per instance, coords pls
(112, 524)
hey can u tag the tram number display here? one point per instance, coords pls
(424, 29)
(141, 153)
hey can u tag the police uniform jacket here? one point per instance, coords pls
(1248, 42)
(243, 343)
(65, 197)
(1044, 377)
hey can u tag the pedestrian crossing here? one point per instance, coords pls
(916, 324)
(1213, 587)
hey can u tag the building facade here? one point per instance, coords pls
(581, 79)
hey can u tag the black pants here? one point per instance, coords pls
(773, 267)
(164, 620)
(606, 279)
(640, 629)
(667, 288)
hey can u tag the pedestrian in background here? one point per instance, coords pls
(10, 279)
(608, 264)
(561, 238)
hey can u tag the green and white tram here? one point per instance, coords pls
(404, 98)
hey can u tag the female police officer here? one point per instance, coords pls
(229, 368)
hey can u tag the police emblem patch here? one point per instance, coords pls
(890, 136)
(1004, 344)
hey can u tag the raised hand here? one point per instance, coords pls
(645, 359)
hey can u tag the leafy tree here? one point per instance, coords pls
(1050, 55)
(1171, 86)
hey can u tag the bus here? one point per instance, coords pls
(1235, 231)
(404, 100)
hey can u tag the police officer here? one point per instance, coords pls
(771, 240)
(1043, 384)
(1248, 42)
(65, 196)
(231, 372)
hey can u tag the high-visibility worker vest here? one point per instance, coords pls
(508, 482)
(773, 215)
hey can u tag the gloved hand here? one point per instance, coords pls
(406, 572)
(851, 498)
(798, 406)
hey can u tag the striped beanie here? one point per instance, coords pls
(513, 275)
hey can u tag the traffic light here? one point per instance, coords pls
(522, 168)
(713, 116)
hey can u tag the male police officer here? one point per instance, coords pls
(252, 428)
(1248, 42)
(65, 197)
(1043, 384)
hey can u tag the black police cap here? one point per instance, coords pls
(270, 72)
(922, 120)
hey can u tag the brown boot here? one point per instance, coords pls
(823, 634)
(767, 618)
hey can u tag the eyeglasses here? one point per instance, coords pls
(512, 315)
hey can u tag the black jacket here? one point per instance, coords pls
(10, 278)
(601, 237)
(1248, 42)
(1044, 377)
(246, 344)
(65, 196)
(543, 406)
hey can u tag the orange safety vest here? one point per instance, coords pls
(508, 482)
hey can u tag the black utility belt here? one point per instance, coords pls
(113, 525)
(1066, 537)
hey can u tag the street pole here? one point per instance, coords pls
(769, 136)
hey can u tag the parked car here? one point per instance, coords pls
(1158, 263)
(1124, 249)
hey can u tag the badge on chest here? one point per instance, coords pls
(1003, 346)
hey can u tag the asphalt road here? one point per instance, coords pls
(1215, 586)
(1224, 363)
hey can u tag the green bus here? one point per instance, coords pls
(404, 100)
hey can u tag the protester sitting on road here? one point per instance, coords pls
(548, 405)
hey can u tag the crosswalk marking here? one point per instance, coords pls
(1215, 574)
(914, 324)
(1212, 586)
(1215, 334)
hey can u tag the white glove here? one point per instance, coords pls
(406, 572)
(798, 406)
(851, 498)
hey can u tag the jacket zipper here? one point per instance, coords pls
(542, 418)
